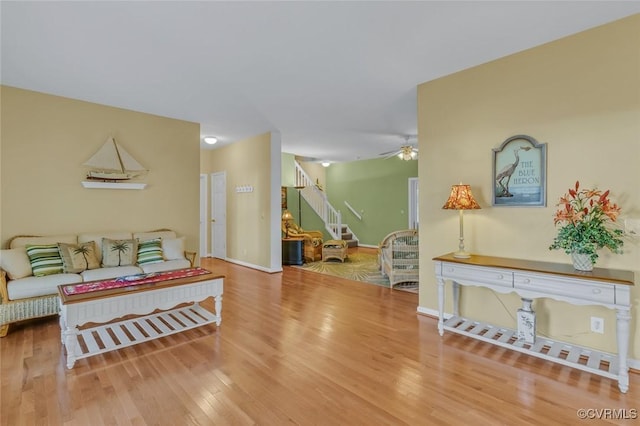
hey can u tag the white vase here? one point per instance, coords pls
(582, 262)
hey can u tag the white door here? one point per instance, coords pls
(219, 215)
(204, 206)
(413, 203)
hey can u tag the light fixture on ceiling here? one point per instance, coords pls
(210, 139)
(407, 152)
(326, 164)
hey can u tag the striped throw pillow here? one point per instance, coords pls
(150, 251)
(45, 259)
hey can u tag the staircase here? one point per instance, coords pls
(348, 237)
(317, 199)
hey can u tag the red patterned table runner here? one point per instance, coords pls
(133, 280)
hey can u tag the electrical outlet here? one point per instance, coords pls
(597, 325)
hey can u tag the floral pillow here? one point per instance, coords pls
(119, 252)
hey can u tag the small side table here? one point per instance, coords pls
(334, 249)
(292, 251)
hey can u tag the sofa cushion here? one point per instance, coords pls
(119, 252)
(45, 259)
(168, 265)
(173, 248)
(78, 257)
(98, 236)
(23, 241)
(39, 286)
(15, 262)
(144, 236)
(150, 251)
(109, 273)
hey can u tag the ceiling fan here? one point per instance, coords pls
(406, 152)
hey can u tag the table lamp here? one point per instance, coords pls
(287, 217)
(461, 199)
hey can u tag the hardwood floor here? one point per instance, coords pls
(297, 348)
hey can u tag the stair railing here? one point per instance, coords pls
(317, 199)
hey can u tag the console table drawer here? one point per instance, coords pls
(493, 276)
(565, 287)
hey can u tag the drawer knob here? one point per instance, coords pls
(597, 291)
(449, 269)
(527, 281)
(500, 276)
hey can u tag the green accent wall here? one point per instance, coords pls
(288, 169)
(377, 189)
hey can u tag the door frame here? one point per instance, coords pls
(414, 220)
(218, 216)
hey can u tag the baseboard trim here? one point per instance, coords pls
(431, 312)
(634, 364)
(367, 245)
(252, 266)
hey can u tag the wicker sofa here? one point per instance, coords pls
(26, 295)
(398, 257)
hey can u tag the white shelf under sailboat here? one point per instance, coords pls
(113, 185)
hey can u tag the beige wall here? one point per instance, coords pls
(251, 237)
(45, 140)
(581, 96)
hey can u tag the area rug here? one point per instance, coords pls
(361, 267)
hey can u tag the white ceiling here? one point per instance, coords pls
(336, 79)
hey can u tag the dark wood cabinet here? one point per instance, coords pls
(292, 251)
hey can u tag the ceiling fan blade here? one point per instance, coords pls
(391, 154)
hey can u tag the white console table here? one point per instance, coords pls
(532, 280)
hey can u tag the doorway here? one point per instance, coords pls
(413, 203)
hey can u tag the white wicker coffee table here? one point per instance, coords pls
(153, 310)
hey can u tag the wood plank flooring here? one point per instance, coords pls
(297, 348)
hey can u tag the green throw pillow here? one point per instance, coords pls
(150, 251)
(45, 259)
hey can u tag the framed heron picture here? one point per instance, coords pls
(520, 172)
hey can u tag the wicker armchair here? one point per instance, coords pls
(312, 241)
(398, 256)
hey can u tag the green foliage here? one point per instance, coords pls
(586, 217)
(587, 238)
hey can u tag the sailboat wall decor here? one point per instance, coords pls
(113, 167)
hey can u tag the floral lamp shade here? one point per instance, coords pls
(461, 199)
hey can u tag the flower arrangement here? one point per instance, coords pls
(586, 216)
